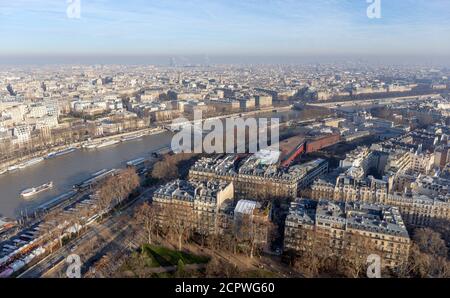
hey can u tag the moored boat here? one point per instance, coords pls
(30, 162)
(133, 138)
(66, 151)
(61, 153)
(107, 144)
(13, 168)
(90, 145)
(36, 190)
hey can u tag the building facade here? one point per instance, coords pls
(252, 178)
(353, 229)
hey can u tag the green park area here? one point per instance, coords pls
(159, 256)
(151, 257)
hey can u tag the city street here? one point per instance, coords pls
(112, 226)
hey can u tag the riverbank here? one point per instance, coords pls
(14, 165)
(368, 102)
(67, 170)
(94, 143)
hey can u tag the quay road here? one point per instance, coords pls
(36, 217)
(111, 223)
(67, 170)
(271, 110)
(368, 102)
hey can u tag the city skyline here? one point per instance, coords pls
(218, 29)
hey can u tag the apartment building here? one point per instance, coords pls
(420, 210)
(196, 204)
(252, 178)
(347, 230)
(263, 101)
(209, 208)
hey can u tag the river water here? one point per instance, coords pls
(67, 170)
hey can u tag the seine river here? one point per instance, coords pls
(67, 170)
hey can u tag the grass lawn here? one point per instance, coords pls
(157, 256)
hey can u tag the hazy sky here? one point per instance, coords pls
(224, 27)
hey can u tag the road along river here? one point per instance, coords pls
(70, 169)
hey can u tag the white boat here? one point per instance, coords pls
(107, 143)
(51, 155)
(136, 162)
(66, 151)
(3, 171)
(30, 162)
(90, 146)
(99, 172)
(62, 152)
(36, 190)
(13, 168)
(95, 177)
(132, 138)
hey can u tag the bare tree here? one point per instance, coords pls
(81, 216)
(61, 229)
(117, 188)
(427, 256)
(311, 254)
(179, 224)
(47, 230)
(167, 169)
(253, 230)
(354, 254)
(220, 268)
(164, 170)
(430, 242)
(146, 216)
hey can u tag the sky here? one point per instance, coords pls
(224, 27)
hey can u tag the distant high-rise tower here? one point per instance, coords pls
(207, 60)
(172, 62)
